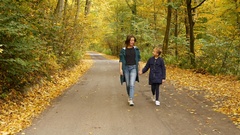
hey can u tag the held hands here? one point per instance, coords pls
(163, 81)
(140, 72)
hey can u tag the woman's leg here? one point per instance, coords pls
(133, 75)
(127, 78)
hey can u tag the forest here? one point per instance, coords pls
(41, 37)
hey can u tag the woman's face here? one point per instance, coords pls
(132, 41)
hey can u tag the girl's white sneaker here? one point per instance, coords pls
(157, 103)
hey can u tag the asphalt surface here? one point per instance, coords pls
(97, 105)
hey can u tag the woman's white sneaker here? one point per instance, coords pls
(131, 103)
(157, 103)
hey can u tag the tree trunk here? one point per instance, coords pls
(133, 8)
(191, 32)
(78, 11)
(187, 27)
(238, 14)
(59, 9)
(65, 24)
(167, 32)
(155, 20)
(176, 33)
(87, 7)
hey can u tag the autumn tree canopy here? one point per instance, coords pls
(39, 38)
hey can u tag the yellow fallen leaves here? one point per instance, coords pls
(223, 91)
(17, 112)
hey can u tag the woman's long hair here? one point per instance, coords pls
(127, 41)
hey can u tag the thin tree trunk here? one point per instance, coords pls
(176, 32)
(191, 24)
(78, 11)
(87, 7)
(187, 27)
(167, 32)
(133, 8)
(238, 14)
(59, 9)
(65, 23)
(191, 31)
(155, 21)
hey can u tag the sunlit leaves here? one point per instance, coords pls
(1, 50)
(223, 91)
(18, 110)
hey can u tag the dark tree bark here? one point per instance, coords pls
(191, 33)
(191, 30)
(176, 32)
(167, 32)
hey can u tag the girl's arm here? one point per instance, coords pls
(147, 66)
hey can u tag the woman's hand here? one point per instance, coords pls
(120, 68)
(121, 72)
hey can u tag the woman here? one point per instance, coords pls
(128, 66)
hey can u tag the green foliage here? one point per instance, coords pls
(34, 43)
(220, 57)
(145, 54)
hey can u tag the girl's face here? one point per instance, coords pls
(155, 53)
(132, 41)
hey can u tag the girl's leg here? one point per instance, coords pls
(157, 91)
(153, 88)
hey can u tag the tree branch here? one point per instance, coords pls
(128, 4)
(198, 5)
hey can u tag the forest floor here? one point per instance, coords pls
(18, 110)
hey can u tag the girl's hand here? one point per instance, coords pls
(163, 81)
(139, 72)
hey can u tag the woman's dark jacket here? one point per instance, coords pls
(157, 70)
(122, 57)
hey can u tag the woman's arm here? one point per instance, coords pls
(120, 68)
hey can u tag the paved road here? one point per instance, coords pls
(97, 105)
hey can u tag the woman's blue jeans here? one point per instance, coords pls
(130, 73)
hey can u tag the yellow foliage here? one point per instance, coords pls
(223, 91)
(18, 110)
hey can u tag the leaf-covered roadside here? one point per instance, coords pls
(18, 110)
(223, 91)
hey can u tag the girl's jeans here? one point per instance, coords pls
(130, 73)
